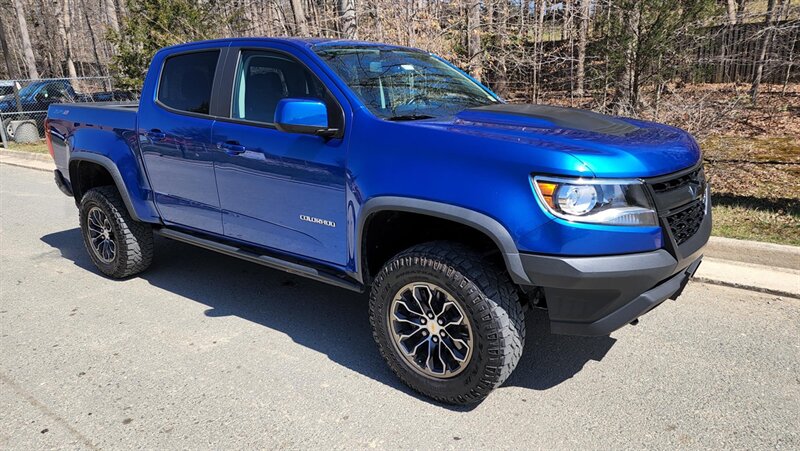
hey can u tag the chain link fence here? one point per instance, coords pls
(24, 102)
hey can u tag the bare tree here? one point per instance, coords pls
(769, 19)
(347, 12)
(27, 48)
(740, 10)
(474, 39)
(93, 36)
(301, 25)
(583, 33)
(501, 29)
(6, 54)
(111, 14)
(731, 10)
(64, 30)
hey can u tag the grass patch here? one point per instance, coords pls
(755, 183)
(746, 222)
(40, 147)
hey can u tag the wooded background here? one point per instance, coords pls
(613, 55)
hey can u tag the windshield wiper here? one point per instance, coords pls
(408, 117)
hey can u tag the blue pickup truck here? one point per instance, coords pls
(387, 170)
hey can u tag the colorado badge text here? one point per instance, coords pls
(311, 219)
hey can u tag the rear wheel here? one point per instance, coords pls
(118, 245)
(448, 323)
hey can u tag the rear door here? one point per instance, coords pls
(175, 140)
(280, 190)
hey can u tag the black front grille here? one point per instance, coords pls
(664, 186)
(685, 223)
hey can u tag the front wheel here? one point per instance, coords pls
(448, 323)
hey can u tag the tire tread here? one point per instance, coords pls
(136, 240)
(494, 299)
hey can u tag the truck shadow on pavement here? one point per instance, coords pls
(326, 319)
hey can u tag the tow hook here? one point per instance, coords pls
(634, 322)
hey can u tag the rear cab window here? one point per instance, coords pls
(187, 81)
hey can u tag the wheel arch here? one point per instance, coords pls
(142, 211)
(479, 222)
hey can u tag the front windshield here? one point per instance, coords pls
(398, 84)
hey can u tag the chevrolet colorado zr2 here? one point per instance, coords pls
(387, 170)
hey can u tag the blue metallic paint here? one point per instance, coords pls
(302, 112)
(77, 132)
(472, 160)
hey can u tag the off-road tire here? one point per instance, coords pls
(487, 296)
(134, 240)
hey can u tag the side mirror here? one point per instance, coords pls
(309, 116)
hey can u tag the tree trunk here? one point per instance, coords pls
(731, 9)
(347, 14)
(64, 28)
(376, 12)
(501, 77)
(769, 18)
(111, 14)
(301, 26)
(582, 39)
(27, 48)
(100, 65)
(474, 39)
(280, 23)
(740, 11)
(541, 8)
(626, 78)
(11, 72)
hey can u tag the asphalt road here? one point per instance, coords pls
(204, 351)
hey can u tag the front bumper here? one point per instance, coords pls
(598, 295)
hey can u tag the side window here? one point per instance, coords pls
(186, 81)
(264, 78)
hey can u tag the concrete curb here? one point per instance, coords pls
(765, 279)
(30, 160)
(754, 252)
(31, 156)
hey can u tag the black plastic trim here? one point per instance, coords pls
(669, 289)
(597, 295)
(105, 162)
(471, 218)
(62, 184)
(261, 259)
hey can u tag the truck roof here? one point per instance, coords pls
(303, 42)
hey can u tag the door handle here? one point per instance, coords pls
(156, 134)
(232, 147)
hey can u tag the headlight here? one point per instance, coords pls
(613, 202)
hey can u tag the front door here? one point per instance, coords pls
(175, 140)
(280, 190)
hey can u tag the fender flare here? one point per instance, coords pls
(478, 221)
(108, 165)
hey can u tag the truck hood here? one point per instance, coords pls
(608, 146)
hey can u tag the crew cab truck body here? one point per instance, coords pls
(386, 169)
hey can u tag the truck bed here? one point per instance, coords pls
(115, 115)
(95, 127)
